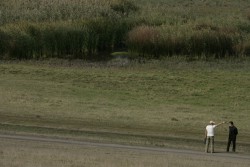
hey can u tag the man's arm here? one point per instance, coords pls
(220, 123)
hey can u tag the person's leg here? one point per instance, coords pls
(228, 144)
(207, 144)
(212, 144)
(234, 144)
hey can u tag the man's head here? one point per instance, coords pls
(231, 123)
(212, 122)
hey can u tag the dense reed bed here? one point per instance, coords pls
(89, 29)
(84, 40)
(190, 40)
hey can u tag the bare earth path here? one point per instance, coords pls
(103, 145)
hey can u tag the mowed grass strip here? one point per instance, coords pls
(162, 98)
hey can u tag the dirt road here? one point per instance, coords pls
(141, 148)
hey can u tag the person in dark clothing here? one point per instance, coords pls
(233, 131)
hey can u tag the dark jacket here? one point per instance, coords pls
(233, 131)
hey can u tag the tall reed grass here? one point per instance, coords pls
(88, 29)
(82, 39)
(199, 40)
(97, 38)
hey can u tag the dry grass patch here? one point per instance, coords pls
(16, 153)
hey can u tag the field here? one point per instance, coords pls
(136, 72)
(147, 104)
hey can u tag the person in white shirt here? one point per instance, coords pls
(209, 135)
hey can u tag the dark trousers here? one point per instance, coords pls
(231, 140)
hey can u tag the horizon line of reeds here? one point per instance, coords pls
(96, 39)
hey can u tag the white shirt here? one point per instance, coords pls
(210, 130)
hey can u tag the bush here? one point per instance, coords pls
(21, 47)
(36, 34)
(4, 43)
(246, 48)
(94, 39)
(210, 43)
(150, 41)
(144, 40)
(64, 42)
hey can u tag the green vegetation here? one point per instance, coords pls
(171, 98)
(85, 40)
(191, 40)
(91, 30)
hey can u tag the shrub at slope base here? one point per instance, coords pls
(86, 40)
(183, 40)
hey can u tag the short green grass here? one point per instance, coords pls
(160, 98)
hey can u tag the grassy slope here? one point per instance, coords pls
(156, 99)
